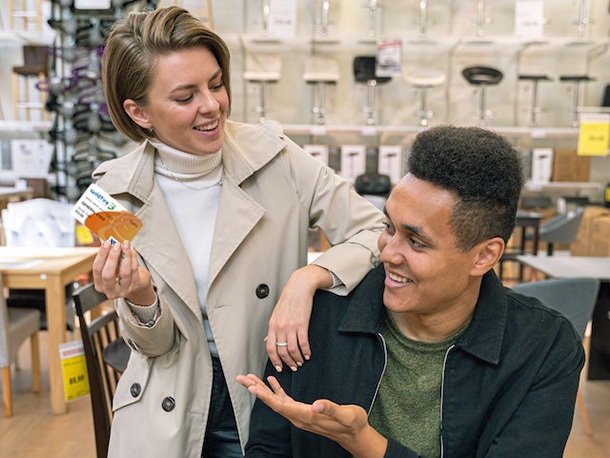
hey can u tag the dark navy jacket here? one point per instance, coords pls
(509, 382)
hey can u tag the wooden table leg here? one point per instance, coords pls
(56, 323)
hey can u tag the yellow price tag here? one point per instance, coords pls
(74, 370)
(594, 134)
(83, 235)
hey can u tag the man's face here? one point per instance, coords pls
(426, 272)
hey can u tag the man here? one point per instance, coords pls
(443, 359)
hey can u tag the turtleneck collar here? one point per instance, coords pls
(182, 163)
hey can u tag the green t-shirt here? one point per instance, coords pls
(408, 404)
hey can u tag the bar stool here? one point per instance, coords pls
(535, 79)
(482, 77)
(423, 79)
(263, 70)
(575, 80)
(319, 72)
(364, 72)
(24, 14)
(35, 59)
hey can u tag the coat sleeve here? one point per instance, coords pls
(270, 435)
(151, 341)
(541, 425)
(351, 224)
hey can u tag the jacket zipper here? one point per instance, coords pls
(385, 363)
(442, 395)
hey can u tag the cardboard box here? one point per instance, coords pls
(582, 246)
(570, 167)
(600, 237)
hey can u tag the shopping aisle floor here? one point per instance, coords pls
(33, 432)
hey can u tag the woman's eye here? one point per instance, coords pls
(218, 86)
(185, 100)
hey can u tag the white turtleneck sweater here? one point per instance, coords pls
(191, 185)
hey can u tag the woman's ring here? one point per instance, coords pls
(281, 344)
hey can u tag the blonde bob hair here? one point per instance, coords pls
(132, 49)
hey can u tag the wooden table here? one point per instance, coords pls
(50, 269)
(584, 266)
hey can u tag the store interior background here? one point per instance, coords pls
(450, 44)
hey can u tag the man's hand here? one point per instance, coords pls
(287, 337)
(347, 425)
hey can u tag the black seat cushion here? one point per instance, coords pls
(535, 77)
(482, 75)
(364, 70)
(374, 184)
(575, 78)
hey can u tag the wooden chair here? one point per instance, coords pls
(106, 354)
(576, 299)
(16, 326)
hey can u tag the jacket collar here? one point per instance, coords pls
(482, 338)
(484, 335)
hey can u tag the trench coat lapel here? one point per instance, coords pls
(238, 212)
(158, 242)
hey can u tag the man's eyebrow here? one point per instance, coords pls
(417, 230)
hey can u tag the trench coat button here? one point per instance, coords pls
(135, 390)
(262, 291)
(168, 404)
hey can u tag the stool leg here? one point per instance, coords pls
(319, 109)
(482, 105)
(16, 96)
(262, 94)
(370, 109)
(11, 11)
(576, 104)
(38, 15)
(534, 103)
(423, 106)
(43, 99)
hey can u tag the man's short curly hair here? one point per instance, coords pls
(482, 169)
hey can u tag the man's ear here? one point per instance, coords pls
(137, 113)
(487, 254)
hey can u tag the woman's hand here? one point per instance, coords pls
(345, 424)
(287, 338)
(116, 274)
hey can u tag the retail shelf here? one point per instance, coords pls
(562, 186)
(25, 126)
(316, 129)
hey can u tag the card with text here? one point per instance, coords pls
(105, 217)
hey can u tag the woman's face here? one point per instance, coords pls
(187, 102)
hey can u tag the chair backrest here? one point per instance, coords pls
(562, 228)
(573, 297)
(97, 336)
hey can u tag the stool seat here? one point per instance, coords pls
(535, 77)
(321, 70)
(30, 70)
(426, 77)
(482, 75)
(364, 70)
(576, 78)
(263, 68)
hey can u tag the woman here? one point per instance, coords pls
(226, 209)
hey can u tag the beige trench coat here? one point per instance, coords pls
(273, 192)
